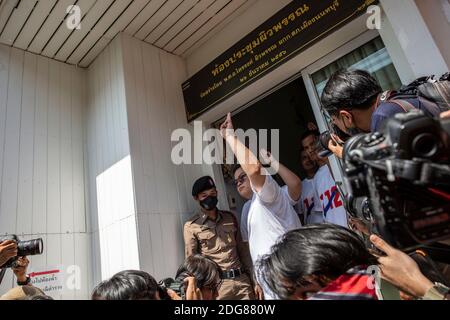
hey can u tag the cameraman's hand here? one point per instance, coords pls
(401, 270)
(20, 269)
(8, 250)
(336, 146)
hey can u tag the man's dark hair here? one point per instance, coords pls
(127, 285)
(308, 133)
(318, 250)
(236, 167)
(350, 89)
(203, 269)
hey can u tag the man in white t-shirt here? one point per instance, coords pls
(305, 208)
(327, 197)
(271, 213)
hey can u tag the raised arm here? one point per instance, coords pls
(248, 161)
(292, 181)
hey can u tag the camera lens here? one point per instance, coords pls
(30, 248)
(322, 145)
(425, 145)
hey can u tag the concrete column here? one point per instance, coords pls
(409, 39)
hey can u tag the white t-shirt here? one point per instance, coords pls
(325, 186)
(270, 216)
(244, 220)
(314, 214)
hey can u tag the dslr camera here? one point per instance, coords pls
(325, 138)
(178, 285)
(24, 248)
(398, 180)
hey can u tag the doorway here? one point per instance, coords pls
(286, 109)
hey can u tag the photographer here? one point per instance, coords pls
(356, 104)
(204, 273)
(139, 285)
(24, 291)
(128, 285)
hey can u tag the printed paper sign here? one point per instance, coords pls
(50, 280)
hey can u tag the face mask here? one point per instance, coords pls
(351, 131)
(209, 203)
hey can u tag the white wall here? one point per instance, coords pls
(111, 194)
(42, 164)
(438, 21)
(135, 102)
(417, 44)
(153, 81)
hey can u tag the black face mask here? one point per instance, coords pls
(209, 203)
(352, 131)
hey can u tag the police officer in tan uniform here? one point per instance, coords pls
(215, 234)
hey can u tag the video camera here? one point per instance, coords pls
(398, 181)
(24, 248)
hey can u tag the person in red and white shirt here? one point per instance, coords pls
(305, 207)
(327, 197)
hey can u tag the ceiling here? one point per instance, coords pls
(176, 26)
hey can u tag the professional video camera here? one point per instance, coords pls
(398, 181)
(24, 248)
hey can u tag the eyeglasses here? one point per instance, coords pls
(240, 179)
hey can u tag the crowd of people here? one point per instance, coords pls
(292, 242)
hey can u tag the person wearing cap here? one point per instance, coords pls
(215, 234)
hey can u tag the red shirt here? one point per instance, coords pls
(355, 284)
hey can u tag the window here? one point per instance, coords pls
(372, 57)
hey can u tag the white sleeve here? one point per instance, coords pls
(269, 192)
(285, 189)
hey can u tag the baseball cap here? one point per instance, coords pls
(202, 184)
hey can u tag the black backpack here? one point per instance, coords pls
(436, 91)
